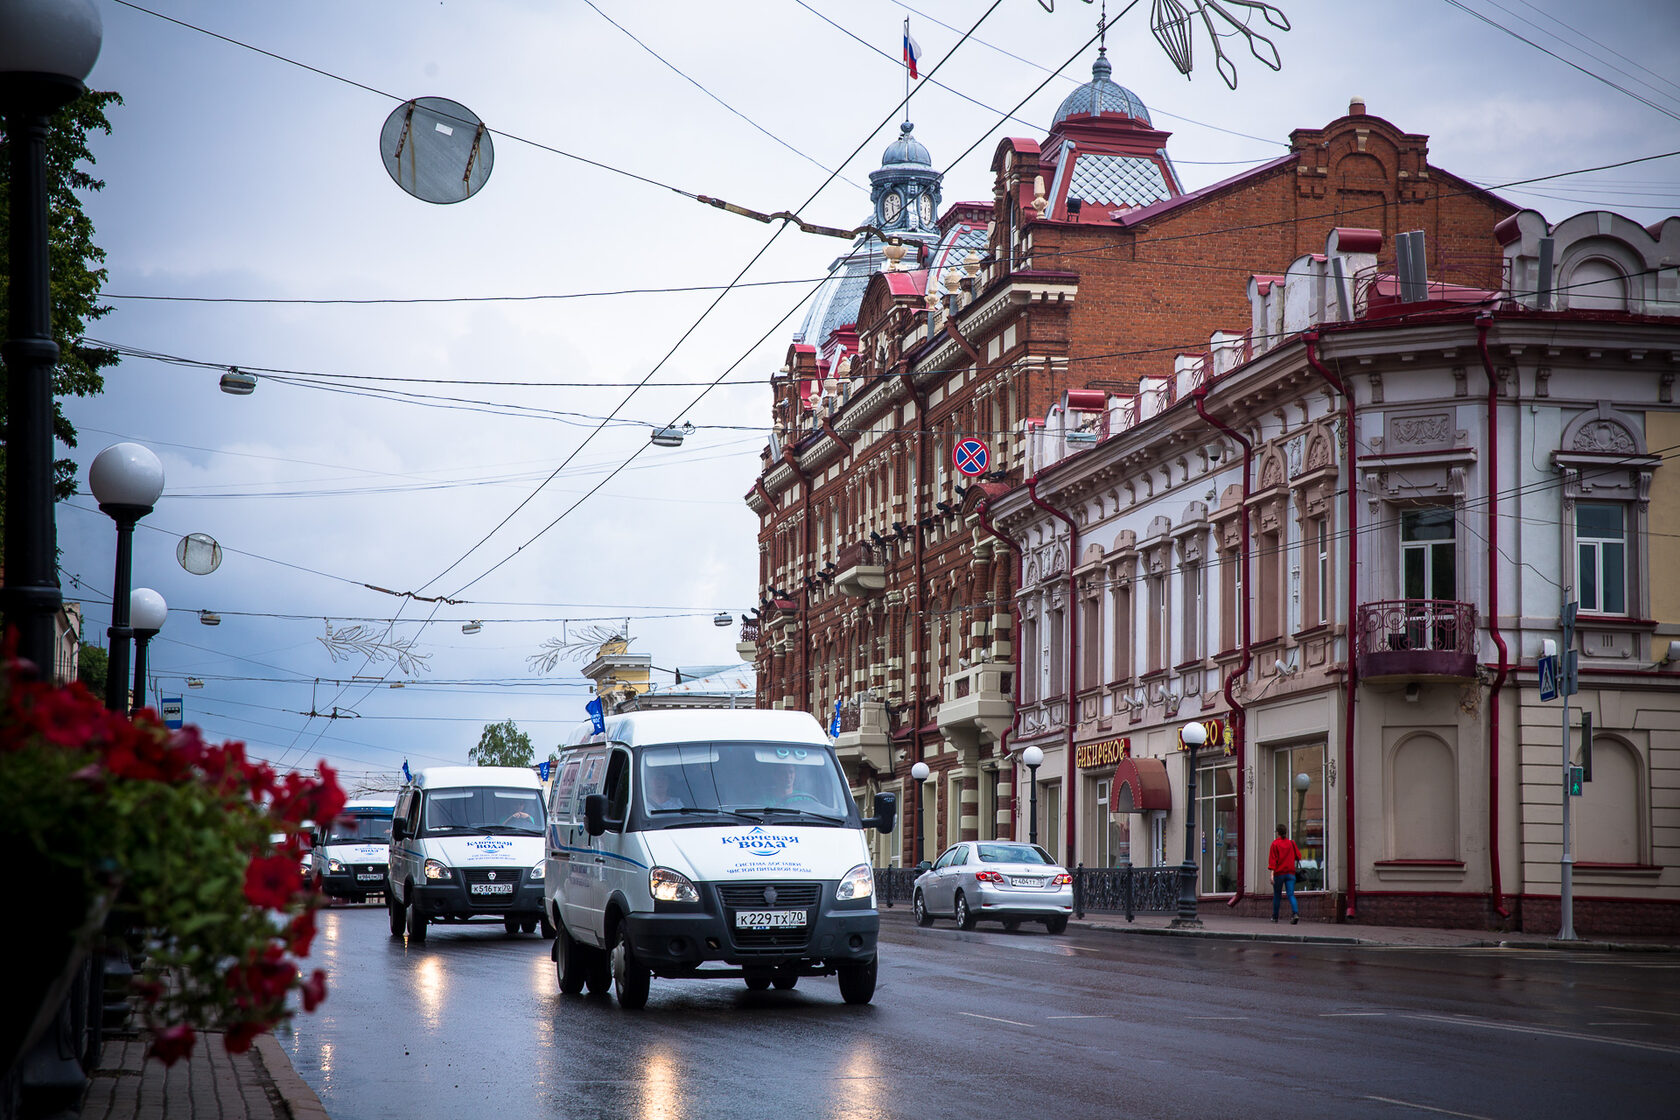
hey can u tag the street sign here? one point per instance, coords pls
(172, 712)
(970, 456)
(1548, 678)
(1569, 672)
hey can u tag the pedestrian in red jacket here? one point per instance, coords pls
(1281, 861)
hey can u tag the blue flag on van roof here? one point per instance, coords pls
(595, 715)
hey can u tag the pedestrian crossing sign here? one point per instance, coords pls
(1548, 678)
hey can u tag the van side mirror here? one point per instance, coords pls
(595, 819)
(886, 812)
(399, 828)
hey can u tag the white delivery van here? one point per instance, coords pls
(351, 852)
(709, 842)
(467, 842)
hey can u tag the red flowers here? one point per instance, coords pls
(177, 831)
(314, 989)
(172, 1044)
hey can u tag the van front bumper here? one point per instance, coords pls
(453, 900)
(681, 940)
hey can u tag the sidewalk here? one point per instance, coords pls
(211, 1085)
(1219, 923)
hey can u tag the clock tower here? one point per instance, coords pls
(905, 189)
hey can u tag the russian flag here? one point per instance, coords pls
(912, 51)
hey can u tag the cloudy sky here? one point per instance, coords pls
(434, 379)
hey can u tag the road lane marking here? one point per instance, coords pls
(1427, 1108)
(1351, 1014)
(1221, 1018)
(1639, 1011)
(1079, 1016)
(1548, 1031)
(995, 1019)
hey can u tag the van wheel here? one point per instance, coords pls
(416, 923)
(786, 983)
(394, 909)
(923, 918)
(510, 925)
(857, 981)
(598, 965)
(569, 964)
(757, 983)
(965, 916)
(528, 925)
(631, 978)
(546, 927)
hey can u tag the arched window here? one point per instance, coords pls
(1423, 800)
(1609, 816)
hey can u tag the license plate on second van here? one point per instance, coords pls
(492, 888)
(769, 919)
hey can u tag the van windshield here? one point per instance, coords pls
(483, 809)
(353, 829)
(693, 783)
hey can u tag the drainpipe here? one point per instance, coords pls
(916, 521)
(984, 510)
(1239, 715)
(1069, 792)
(810, 563)
(1350, 852)
(1483, 322)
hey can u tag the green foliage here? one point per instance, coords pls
(76, 262)
(92, 666)
(502, 744)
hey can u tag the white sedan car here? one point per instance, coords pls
(995, 880)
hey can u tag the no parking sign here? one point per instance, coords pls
(970, 456)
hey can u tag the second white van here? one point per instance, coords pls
(706, 843)
(467, 842)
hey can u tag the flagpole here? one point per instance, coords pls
(907, 72)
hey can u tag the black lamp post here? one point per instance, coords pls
(47, 48)
(126, 480)
(1192, 735)
(1033, 758)
(147, 613)
(919, 774)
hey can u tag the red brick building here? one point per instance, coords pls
(884, 590)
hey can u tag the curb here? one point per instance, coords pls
(299, 1099)
(1221, 935)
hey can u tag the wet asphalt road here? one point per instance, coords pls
(988, 1023)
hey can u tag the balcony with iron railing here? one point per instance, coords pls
(861, 570)
(1416, 639)
(865, 736)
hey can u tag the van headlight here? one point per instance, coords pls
(436, 870)
(334, 865)
(537, 871)
(671, 886)
(857, 883)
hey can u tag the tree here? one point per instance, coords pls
(502, 744)
(76, 272)
(92, 665)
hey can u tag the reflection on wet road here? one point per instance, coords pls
(1089, 1024)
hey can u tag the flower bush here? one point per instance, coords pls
(179, 833)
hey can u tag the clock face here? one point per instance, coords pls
(924, 206)
(892, 206)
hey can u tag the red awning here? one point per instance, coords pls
(1140, 784)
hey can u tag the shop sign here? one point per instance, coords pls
(1106, 753)
(1218, 735)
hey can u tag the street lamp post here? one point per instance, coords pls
(126, 480)
(1192, 735)
(919, 774)
(147, 613)
(47, 48)
(1033, 758)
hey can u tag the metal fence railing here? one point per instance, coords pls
(1126, 889)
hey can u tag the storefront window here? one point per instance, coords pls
(1216, 825)
(1299, 800)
